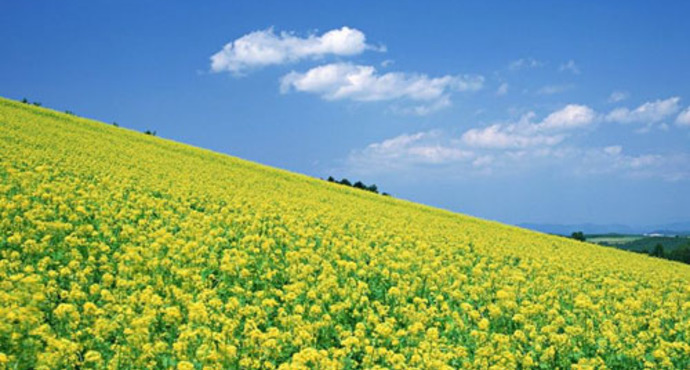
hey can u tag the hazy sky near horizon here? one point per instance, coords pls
(552, 112)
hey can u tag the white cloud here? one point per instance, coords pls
(500, 137)
(650, 126)
(683, 118)
(618, 96)
(553, 89)
(262, 48)
(526, 133)
(613, 150)
(525, 146)
(571, 116)
(525, 63)
(502, 90)
(513, 149)
(340, 81)
(570, 66)
(409, 150)
(435, 153)
(483, 161)
(649, 112)
(611, 160)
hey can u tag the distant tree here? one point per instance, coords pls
(115, 124)
(70, 113)
(25, 101)
(385, 194)
(358, 185)
(681, 254)
(578, 235)
(658, 251)
(38, 104)
(149, 132)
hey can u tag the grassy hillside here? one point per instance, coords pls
(119, 249)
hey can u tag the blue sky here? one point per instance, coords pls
(559, 112)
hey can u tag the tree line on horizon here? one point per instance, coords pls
(357, 185)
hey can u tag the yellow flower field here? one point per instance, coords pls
(122, 250)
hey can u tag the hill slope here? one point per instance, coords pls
(122, 249)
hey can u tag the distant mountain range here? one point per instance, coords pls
(676, 228)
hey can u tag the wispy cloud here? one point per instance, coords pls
(649, 112)
(613, 150)
(525, 63)
(516, 148)
(386, 63)
(618, 96)
(409, 150)
(570, 117)
(476, 148)
(683, 118)
(263, 48)
(339, 81)
(570, 66)
(613, 160)
(423, 109)
(554, 89)
(437, 153)
(502, 89)
(501, 137)
(526, 133)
